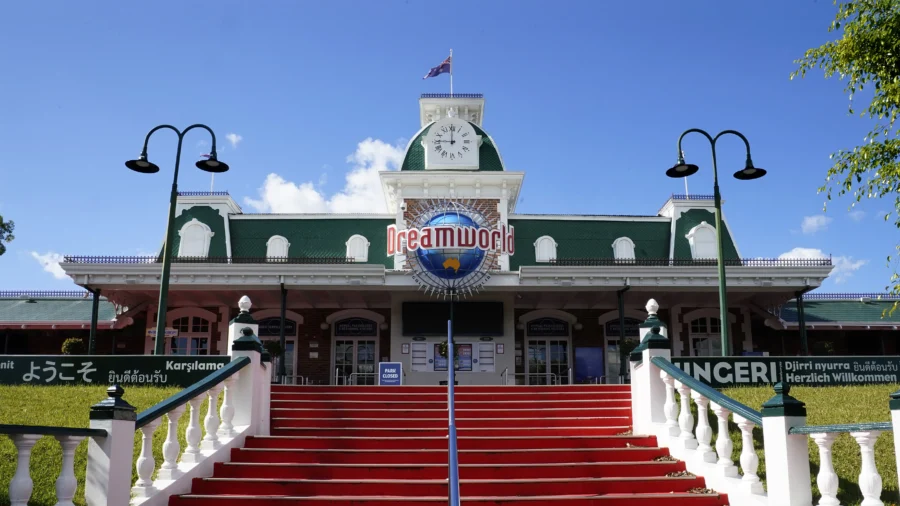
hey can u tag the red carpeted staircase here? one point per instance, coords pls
(379, 446)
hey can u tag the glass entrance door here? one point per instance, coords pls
(354, 361)
(548, 362)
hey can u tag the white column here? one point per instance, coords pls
(21, 485)
(704, 431)
(66, 483)
(749, 459)
(685, 418)
(827, 479)
(247, 387)
(109, 459)
(192, 434)
(226, 414)
(211, 421)
(869, 479)
(145, 465)
(895, 421)
(787, 455)
(171, 448)
(670, 408)
(724, 465)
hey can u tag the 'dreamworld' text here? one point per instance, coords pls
(451, 237)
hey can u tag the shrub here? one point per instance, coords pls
(73, 346)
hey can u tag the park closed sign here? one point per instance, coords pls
(722, 372)
(390, 373)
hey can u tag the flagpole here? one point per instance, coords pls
(451, 73)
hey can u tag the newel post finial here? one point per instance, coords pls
(244, 304)
(652, 307)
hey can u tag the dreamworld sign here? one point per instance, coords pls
(449, 246)
(441, 237)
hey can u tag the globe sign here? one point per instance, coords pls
(450, 264)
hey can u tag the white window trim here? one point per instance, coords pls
(615, 248)
(287, 246)
(356, 258)
(206, 236)
(192, 312)
(540, 240)
(692, 234)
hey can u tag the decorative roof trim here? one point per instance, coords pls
(590, 217)
(313, 216)
(46, 294)
(850, 297)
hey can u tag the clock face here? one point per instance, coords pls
(452, 142)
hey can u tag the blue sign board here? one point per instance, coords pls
(390, 373)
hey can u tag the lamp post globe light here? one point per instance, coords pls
(144, 166)
(682, 169)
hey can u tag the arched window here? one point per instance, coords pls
(623, 249)
(545, 249)
(702, 239)
(195, 237)
(358, 248)
(277, 247)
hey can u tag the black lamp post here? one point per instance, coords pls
(682, 169)
(142, 165)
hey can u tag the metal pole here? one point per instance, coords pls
(623, 361)
(801, 322)
(95, 309)
(281, 367)
(451, 416)
(720, 260)
(160, 347)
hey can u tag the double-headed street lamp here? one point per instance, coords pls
(142, 165)
(682, 169)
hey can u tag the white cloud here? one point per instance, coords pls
(50, 262)
(857, 215)
(234, 139)
(844, 266)
(813, 224)
(362, 191)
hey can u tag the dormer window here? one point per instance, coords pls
(277, 247)
(545, 249)
(702, 239)
(358, 248)
(623, 249)
(195, 237)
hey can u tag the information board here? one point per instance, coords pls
(390, 373)
(720, 372)
(355, 327)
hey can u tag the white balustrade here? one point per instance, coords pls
(192, 434)
(145, 465)
(704, 431)
(669, 408)
(171, 448)
(67, 483)
(685, 418)
(211, 422)
(226, 414)
(749, 459)
(21, 485)
(827, 479)
(869, 479)
(724, 446)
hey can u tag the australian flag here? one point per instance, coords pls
(444, 67)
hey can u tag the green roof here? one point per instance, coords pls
(690, 219)
(315, 238)
(841, 311)
(53, 310)
(488, 157)
(588, 238)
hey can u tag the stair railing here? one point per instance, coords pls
(453, 457)
(504, 378)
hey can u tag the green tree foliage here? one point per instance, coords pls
(866, 57)
(73, 346)
(6, 233)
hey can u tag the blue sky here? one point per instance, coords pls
(588, 98)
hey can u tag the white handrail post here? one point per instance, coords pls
(869, 479)
(108, 475)
(895, 421)
(66, 483)
(649, 393)
(244, 343)
(787, 455)
(21, 486)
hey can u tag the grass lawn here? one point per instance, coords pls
(68, 406)
(833, 405)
